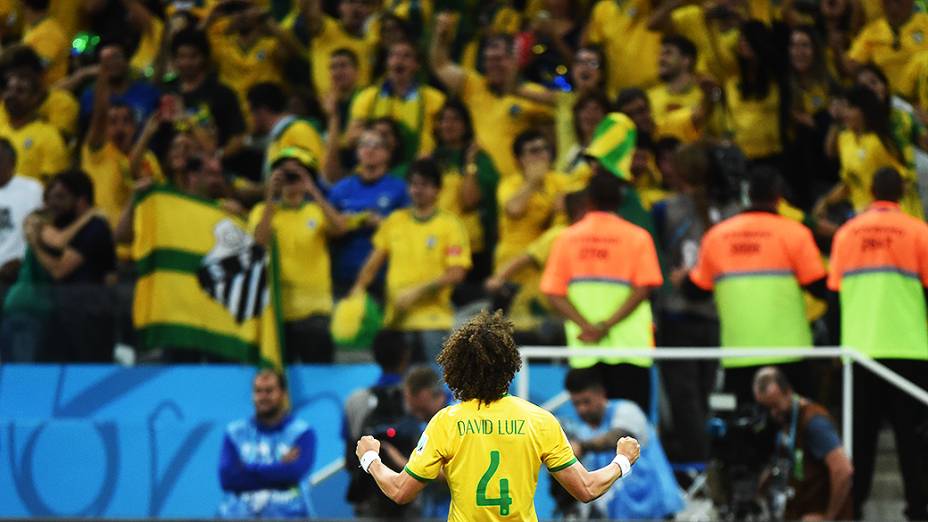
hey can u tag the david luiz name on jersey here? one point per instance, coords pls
(490, 427)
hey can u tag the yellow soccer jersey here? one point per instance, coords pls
(861, 156)
(892, 52)
(755, 124)
(664, 102)
(296, 133)
(491, 454)
(108, 167)
(40, 151)
(420, 251)
(241, 67)
(415, 112)
(59, 108)
(305, 278)
(499, 119)
(621, 28)
(50, 42)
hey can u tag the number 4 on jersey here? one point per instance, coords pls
(504, 500)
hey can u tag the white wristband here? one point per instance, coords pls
(622, 462)
(369, 457)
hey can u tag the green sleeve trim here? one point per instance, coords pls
(417, 477)
(563, 466)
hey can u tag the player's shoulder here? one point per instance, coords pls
(537, 415)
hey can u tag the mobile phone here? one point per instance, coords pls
(291, 176)
(168, 107)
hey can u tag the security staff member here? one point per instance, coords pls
(757, 264)
(879, 264)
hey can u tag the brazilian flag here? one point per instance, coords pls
(203, 283)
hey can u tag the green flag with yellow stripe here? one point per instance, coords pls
(203, 283)
(613, 144)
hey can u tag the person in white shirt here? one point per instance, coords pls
(19, 197)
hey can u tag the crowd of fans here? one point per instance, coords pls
(429, 155)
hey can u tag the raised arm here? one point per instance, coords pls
(96, 134)
(587, 486)
(661, 19)
(448, 72)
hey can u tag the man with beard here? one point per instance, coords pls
(79, 259)
(652, 492)
(265, 459)
(40, 151)
(400, 96)
(678, 87)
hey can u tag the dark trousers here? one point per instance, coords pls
(309, 341)
(876, 400)
(687, 385)
(627, 381)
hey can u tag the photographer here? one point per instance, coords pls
(297, 216)
(809, 451)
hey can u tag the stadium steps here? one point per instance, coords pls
(886, 498)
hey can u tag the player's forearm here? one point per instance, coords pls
(389, 482)
(597, 483)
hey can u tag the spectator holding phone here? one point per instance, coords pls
(297, 218)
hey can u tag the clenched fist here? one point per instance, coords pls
(629, 447)
(368, 443)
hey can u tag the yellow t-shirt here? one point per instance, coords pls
(678, 124)
(298, 133)
(149, 44)
(491, 454)
(663, 101)
(60, 108)
(621, 28)
(419, 252)
(715, 49)
(40, 150)
(755, 124)
(499, 119)
(331, 38)
(876, 43)
(861, 156)
(240, 68)
(305, 275)
(69, 15)
(415, 112)
(108, 167)
(449, 200)
(50, 42)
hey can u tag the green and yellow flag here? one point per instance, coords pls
(203, 283)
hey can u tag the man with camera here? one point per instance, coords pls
(298, 218)
(810, 458)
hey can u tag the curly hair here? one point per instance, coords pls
(480, 358)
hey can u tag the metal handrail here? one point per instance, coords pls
(848, 357)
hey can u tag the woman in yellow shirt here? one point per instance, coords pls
(754, 98)
(864, 146)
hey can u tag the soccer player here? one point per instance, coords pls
(491, 444)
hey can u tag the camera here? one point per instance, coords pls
(742, 446)
(291, 176)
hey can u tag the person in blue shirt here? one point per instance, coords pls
(651, 492)
(266, 459)
(365, 197)
(126, 89)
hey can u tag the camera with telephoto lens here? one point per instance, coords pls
(741, 448)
